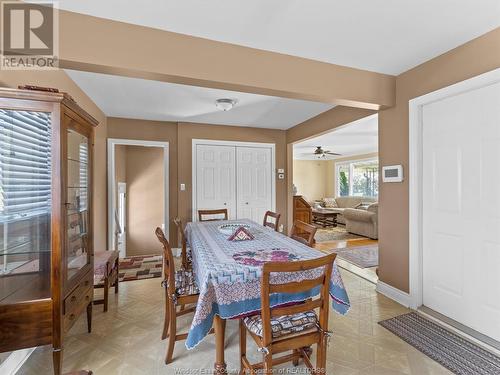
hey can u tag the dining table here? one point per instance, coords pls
(228, 273)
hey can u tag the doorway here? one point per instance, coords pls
(454, 205)
(137, 195)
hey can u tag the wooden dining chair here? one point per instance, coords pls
(180, 290)
(290, 328)
(211, 213)
(303, 232)
(185, 254)
(272, 224)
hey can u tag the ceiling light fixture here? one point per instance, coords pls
(225, 104)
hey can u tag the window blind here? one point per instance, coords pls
(25, 165)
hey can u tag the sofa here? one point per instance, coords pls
(340, 204)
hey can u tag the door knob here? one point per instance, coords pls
(224, 203)
(246, 202)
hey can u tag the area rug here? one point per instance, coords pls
(140, 267)
(338, 233)
(450, 350)
(362, 256)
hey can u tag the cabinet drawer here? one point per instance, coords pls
(76, 308)
(77, 294)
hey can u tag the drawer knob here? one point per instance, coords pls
(73, 298)
(72, 316)
(87, 298)
(87, 282)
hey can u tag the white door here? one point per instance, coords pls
(122, 219)
(461, 208)
(254, 182)
(215, 178)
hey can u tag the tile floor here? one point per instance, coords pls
(126, 339)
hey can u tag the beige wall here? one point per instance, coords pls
(180, 138)
(473, 58)
(145, 199)
(188, 131)
(120, 163)
(311, 177)
(59, 79)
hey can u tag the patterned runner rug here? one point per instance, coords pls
(362, 256)
(450, 350)
(140, 267)
(338, 233)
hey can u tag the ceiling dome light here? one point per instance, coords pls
(225, 104)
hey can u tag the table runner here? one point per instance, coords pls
(230, 287)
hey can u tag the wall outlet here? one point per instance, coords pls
(281, 176)
(183, 187)
(281, 170)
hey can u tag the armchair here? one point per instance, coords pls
(362, 222)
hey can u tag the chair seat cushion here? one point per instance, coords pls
(101, 259)
(283, 325)
(185, 284)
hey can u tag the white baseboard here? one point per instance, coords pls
(397, 295)
(14, 361)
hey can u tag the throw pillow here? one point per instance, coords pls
(241, 234)
(330, 202)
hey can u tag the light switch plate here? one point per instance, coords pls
(281, 176)
(183, 187)
(281, 170)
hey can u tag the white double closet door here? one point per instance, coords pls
(461, 208)
(234, 177)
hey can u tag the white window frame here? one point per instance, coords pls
(350, 163)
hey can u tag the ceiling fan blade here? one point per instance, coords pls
(332, 153)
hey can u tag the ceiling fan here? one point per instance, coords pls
(320, 153)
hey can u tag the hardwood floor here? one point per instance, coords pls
(126, 339)
(329, 245)
(366, 273)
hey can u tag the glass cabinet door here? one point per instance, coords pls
(77, 210)
(25, 205)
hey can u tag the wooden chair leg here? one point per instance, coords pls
(268, 364)
(172, 334)
(89, 317)
(321, 357)
(106, 293)
(243, 346)
(166, 322)
(57, 355)
(296, 360)
(117, 266)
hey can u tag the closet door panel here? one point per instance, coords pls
(254, 184)
(215, 178)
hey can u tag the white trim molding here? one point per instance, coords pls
(397, 295)
(415, 172)
(196, 142)
(112, 142)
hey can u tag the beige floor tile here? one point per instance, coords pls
(126, 339)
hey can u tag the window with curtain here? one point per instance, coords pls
(357, 178)
(25, 188)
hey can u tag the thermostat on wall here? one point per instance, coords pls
(392, 173)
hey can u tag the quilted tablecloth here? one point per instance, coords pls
(228, 273)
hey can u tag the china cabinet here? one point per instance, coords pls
(46, 245)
